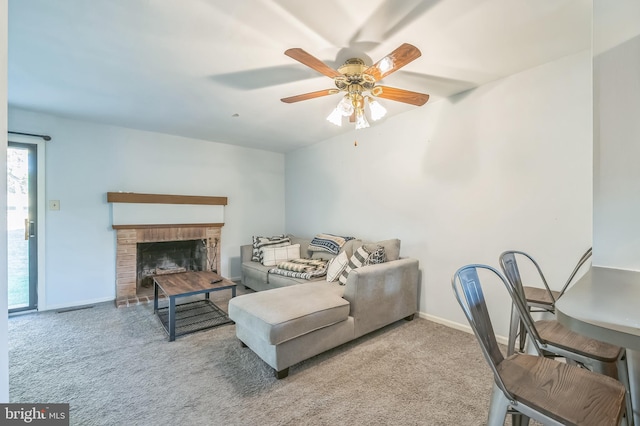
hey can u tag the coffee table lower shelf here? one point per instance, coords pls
(194, 316)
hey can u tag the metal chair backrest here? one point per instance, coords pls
(515, 277)
(586, 256)
(516, 290)
(468, 291)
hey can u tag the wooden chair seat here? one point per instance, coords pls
(540, 297)
(570, 395)
(558, 335)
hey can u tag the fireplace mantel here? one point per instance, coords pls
(134, 197)
(177, 225)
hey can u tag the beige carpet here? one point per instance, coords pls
(116, 367)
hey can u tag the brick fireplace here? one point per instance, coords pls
(130, 237)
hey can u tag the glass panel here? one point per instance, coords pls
(17, 214)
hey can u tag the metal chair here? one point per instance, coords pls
(538, 299)
(551, 339)
(546, 390)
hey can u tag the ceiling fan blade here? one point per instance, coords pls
(311, 95)
(393, 61)
(401, 95)
(312, 62)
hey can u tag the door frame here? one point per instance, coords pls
(41, 206)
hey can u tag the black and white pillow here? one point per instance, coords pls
(358, 259)
(378, 255)
(260, 242)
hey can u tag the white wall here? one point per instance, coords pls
(84, 161)
(616, 210)
(505, 166)
(4, 338)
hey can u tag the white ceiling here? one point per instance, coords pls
(187, 67)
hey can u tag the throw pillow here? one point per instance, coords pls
(260, 242)
(336, 267)
(391, 248)
(271, 256)
(377, 255)
(328, 242)
(358, 259)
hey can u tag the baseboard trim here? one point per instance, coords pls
(456, 325)
(82, 303)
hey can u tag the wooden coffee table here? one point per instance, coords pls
(185, 284)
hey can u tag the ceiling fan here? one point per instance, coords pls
(358, 81)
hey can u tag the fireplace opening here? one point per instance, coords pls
(167, 257)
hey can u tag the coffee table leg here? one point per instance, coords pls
(233, 291)
(172, 318)
(155, 297)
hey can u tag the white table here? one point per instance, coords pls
(605, 304)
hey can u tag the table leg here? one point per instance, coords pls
(233, 291)
(633, 364)
(155, 297)
(172, 318)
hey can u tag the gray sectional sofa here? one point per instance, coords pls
(289, 320)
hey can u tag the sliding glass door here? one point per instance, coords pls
(21, 226)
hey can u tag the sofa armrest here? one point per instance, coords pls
(246, 252)
(381, 294)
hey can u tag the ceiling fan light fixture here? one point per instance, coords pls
(335, 117)
(345, 106)
(359, 82)
(377, 110)
(385, 64)
(361, 120)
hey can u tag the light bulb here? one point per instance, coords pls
(335, 117)
(345, 106)
(377, 110)
(361, 120)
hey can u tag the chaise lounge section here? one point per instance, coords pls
(289, 324)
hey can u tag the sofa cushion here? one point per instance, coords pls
(391, 248)
(271, 256)
(336, 266)
(304, 244)
(358, 259)
(285, 313)
(260, 242)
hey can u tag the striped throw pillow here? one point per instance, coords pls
(358, 259)
(336, 266)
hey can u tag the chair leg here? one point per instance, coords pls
(498, 407)
(522, 337)
(623, 376)
(514, 326)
